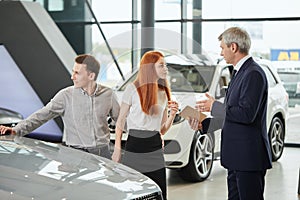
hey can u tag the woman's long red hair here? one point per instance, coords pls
(147, 85)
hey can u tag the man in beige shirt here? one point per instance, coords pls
(84, 108)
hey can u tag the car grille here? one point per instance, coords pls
(152, 196)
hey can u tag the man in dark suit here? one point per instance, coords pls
(245, 150)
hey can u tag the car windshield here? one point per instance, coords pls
(192, 78)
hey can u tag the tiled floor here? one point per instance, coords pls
(281, 181)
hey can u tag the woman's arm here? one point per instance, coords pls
(119, 131)
(168, 120)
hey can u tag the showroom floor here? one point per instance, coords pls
(281, 181)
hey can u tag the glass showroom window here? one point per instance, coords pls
(119, 38)
(167, 9)
(112, 10)
(281, 47)
(226, 9)
(168, 37)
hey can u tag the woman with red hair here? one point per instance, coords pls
(145, 106)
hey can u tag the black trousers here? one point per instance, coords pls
(246, 185)
(143, 152)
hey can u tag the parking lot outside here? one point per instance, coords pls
(293, 126)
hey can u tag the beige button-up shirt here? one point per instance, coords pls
(84, 116)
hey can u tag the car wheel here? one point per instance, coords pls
(200, 159)
(276, 137)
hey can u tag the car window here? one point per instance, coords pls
(185, 78)
(223, 82)
(190, 78)
(271, 79)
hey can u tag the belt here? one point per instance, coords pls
(80, 148)
(85, 148)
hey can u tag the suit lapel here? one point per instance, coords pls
(237, 76)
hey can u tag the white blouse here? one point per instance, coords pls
(136, 118)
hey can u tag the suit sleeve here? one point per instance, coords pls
(218, 110)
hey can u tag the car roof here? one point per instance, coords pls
(41, 170)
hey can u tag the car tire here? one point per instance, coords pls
(276, 138)
(200, 159)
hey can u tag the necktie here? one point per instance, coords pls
(232, 77)
(231, 81)
(233, 74)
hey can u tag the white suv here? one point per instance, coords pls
(191, 152)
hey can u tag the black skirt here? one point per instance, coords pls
(144, 153)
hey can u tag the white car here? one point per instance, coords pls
(35, 169)
(191, 152)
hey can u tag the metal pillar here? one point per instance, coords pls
(183, 27)
(134, 42)
(147, 33)
(197, 27)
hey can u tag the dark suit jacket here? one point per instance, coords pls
(244, 142)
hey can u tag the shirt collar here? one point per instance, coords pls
(95, 92)
(241, 62)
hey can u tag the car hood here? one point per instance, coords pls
(9, 120)
(32, 169)
(9, 117)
